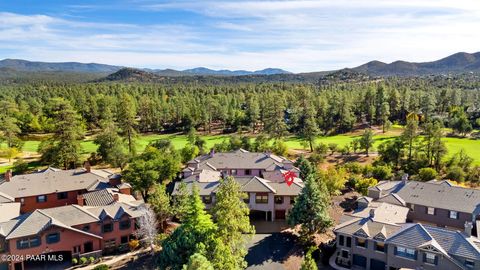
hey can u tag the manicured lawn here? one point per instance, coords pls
(471, 146)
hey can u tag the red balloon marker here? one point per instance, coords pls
(289, 177)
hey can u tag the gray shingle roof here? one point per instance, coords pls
(454, 242)
(4, 198)
(9, 211)
(239, 159)
(64, 217)
(370, 227)
(98, 198)
(412, 235)
(440, 196)
(51, 181)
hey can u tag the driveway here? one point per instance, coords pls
(268, 251)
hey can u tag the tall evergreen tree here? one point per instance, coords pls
(366, 141)
(126, 114)
(63, 148)
(231, 215)
(198, 262)
(310, 210)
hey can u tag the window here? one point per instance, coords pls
(28, 242)
(469, 264)
(248, 172)
(345, 254)
(62, 195)
(453, 214)
(41, 198)
(207, 199)
(430, 258)
(22, 201)
(125, 224)
(278, 199)
(53, 238)
(292, 199)
(107, 227)
(261, 198)
(124, 239)
(341, 240)
(380, 246)
(234, 172)
(76, 249)
(431, 211)
(86, 228)
(349, 242)
(405, 253)
(362, 242)
(246, 197)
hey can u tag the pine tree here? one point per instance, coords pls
(231, 215)
(126, 120)
(309, 263)
(63, 148)
(195, 235)
(366, 141)
(311, 209)
(160, 202)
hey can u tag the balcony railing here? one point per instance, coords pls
(96, 254)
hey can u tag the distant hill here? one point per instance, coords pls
(22, 70)
(457, 63)
(23, 65)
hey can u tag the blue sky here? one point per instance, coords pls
(298, 36)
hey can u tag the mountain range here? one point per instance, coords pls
(454, 64)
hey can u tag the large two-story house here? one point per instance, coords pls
(439, 203)
(54, 187)
(261, 176)
(412, 225)
(72, 231)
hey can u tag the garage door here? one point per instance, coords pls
(359, 260)
(377, 265)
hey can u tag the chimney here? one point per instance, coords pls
(404, 179)
(87, 166)
(8, 175)
(125, 189)
(468, 228)
(80, 200)
(372, 213)
(212, 152)
(115, 197)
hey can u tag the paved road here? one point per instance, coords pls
(267, 251)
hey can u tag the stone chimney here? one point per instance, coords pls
(87, 166)
(115, 197)
(372, 213)
(80, 200)
(8, 175)
(468, 228)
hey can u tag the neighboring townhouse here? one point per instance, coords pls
(261, 176)
(439, 203)
(71, 231)
(364, 243)
(54, 187)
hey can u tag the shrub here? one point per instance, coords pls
(74, 261)
(133, 244)
(83, 260)
(382, 172)
(427, 174)
(101, 267)
(333, 147)
(91, 260)
(353, 167)
(363, 184)
(456, 173)
(280, 148)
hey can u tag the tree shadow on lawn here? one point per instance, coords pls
(275, 247)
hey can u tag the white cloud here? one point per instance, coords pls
(294, 35)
